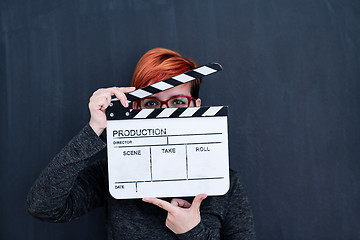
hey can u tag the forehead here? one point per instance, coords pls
(183, 89)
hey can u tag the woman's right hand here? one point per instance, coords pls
(100, 100)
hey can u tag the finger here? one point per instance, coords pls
(97, 103)
(119, 93)
(161, 203)
(127, 89)
(180, 203)
(103, 104)
(100, 94)
(100, 102)
(114, 91)
(108, 92)
(197, 201)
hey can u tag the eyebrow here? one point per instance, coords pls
(169, 97)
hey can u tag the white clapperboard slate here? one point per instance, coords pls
(167, 152)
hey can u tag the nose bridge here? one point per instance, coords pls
(164, 105)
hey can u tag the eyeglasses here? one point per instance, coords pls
(179, 101)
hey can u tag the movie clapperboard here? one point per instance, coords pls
(167, 152)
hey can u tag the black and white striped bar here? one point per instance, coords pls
(209, 111)
(193, 74)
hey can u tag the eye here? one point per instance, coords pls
(150, 103)
(179, 101)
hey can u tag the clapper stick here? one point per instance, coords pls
(166, 84)
(127, 113)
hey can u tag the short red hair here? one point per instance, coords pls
(159, 64)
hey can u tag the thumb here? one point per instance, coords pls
(197, 201)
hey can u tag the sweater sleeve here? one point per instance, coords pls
(67, 188)
(237, 219)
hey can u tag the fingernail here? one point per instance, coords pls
(126, 104)
(203, 198)
(145, 199)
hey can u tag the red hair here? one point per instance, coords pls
(159, 64)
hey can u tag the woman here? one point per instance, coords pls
(70, 186)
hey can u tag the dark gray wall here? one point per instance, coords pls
(291, 78)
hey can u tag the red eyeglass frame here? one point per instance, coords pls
(189, 98)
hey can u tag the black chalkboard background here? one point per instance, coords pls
(291, 79)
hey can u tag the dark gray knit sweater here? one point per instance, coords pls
(70, 187)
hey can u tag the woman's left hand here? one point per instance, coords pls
(182, 216)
